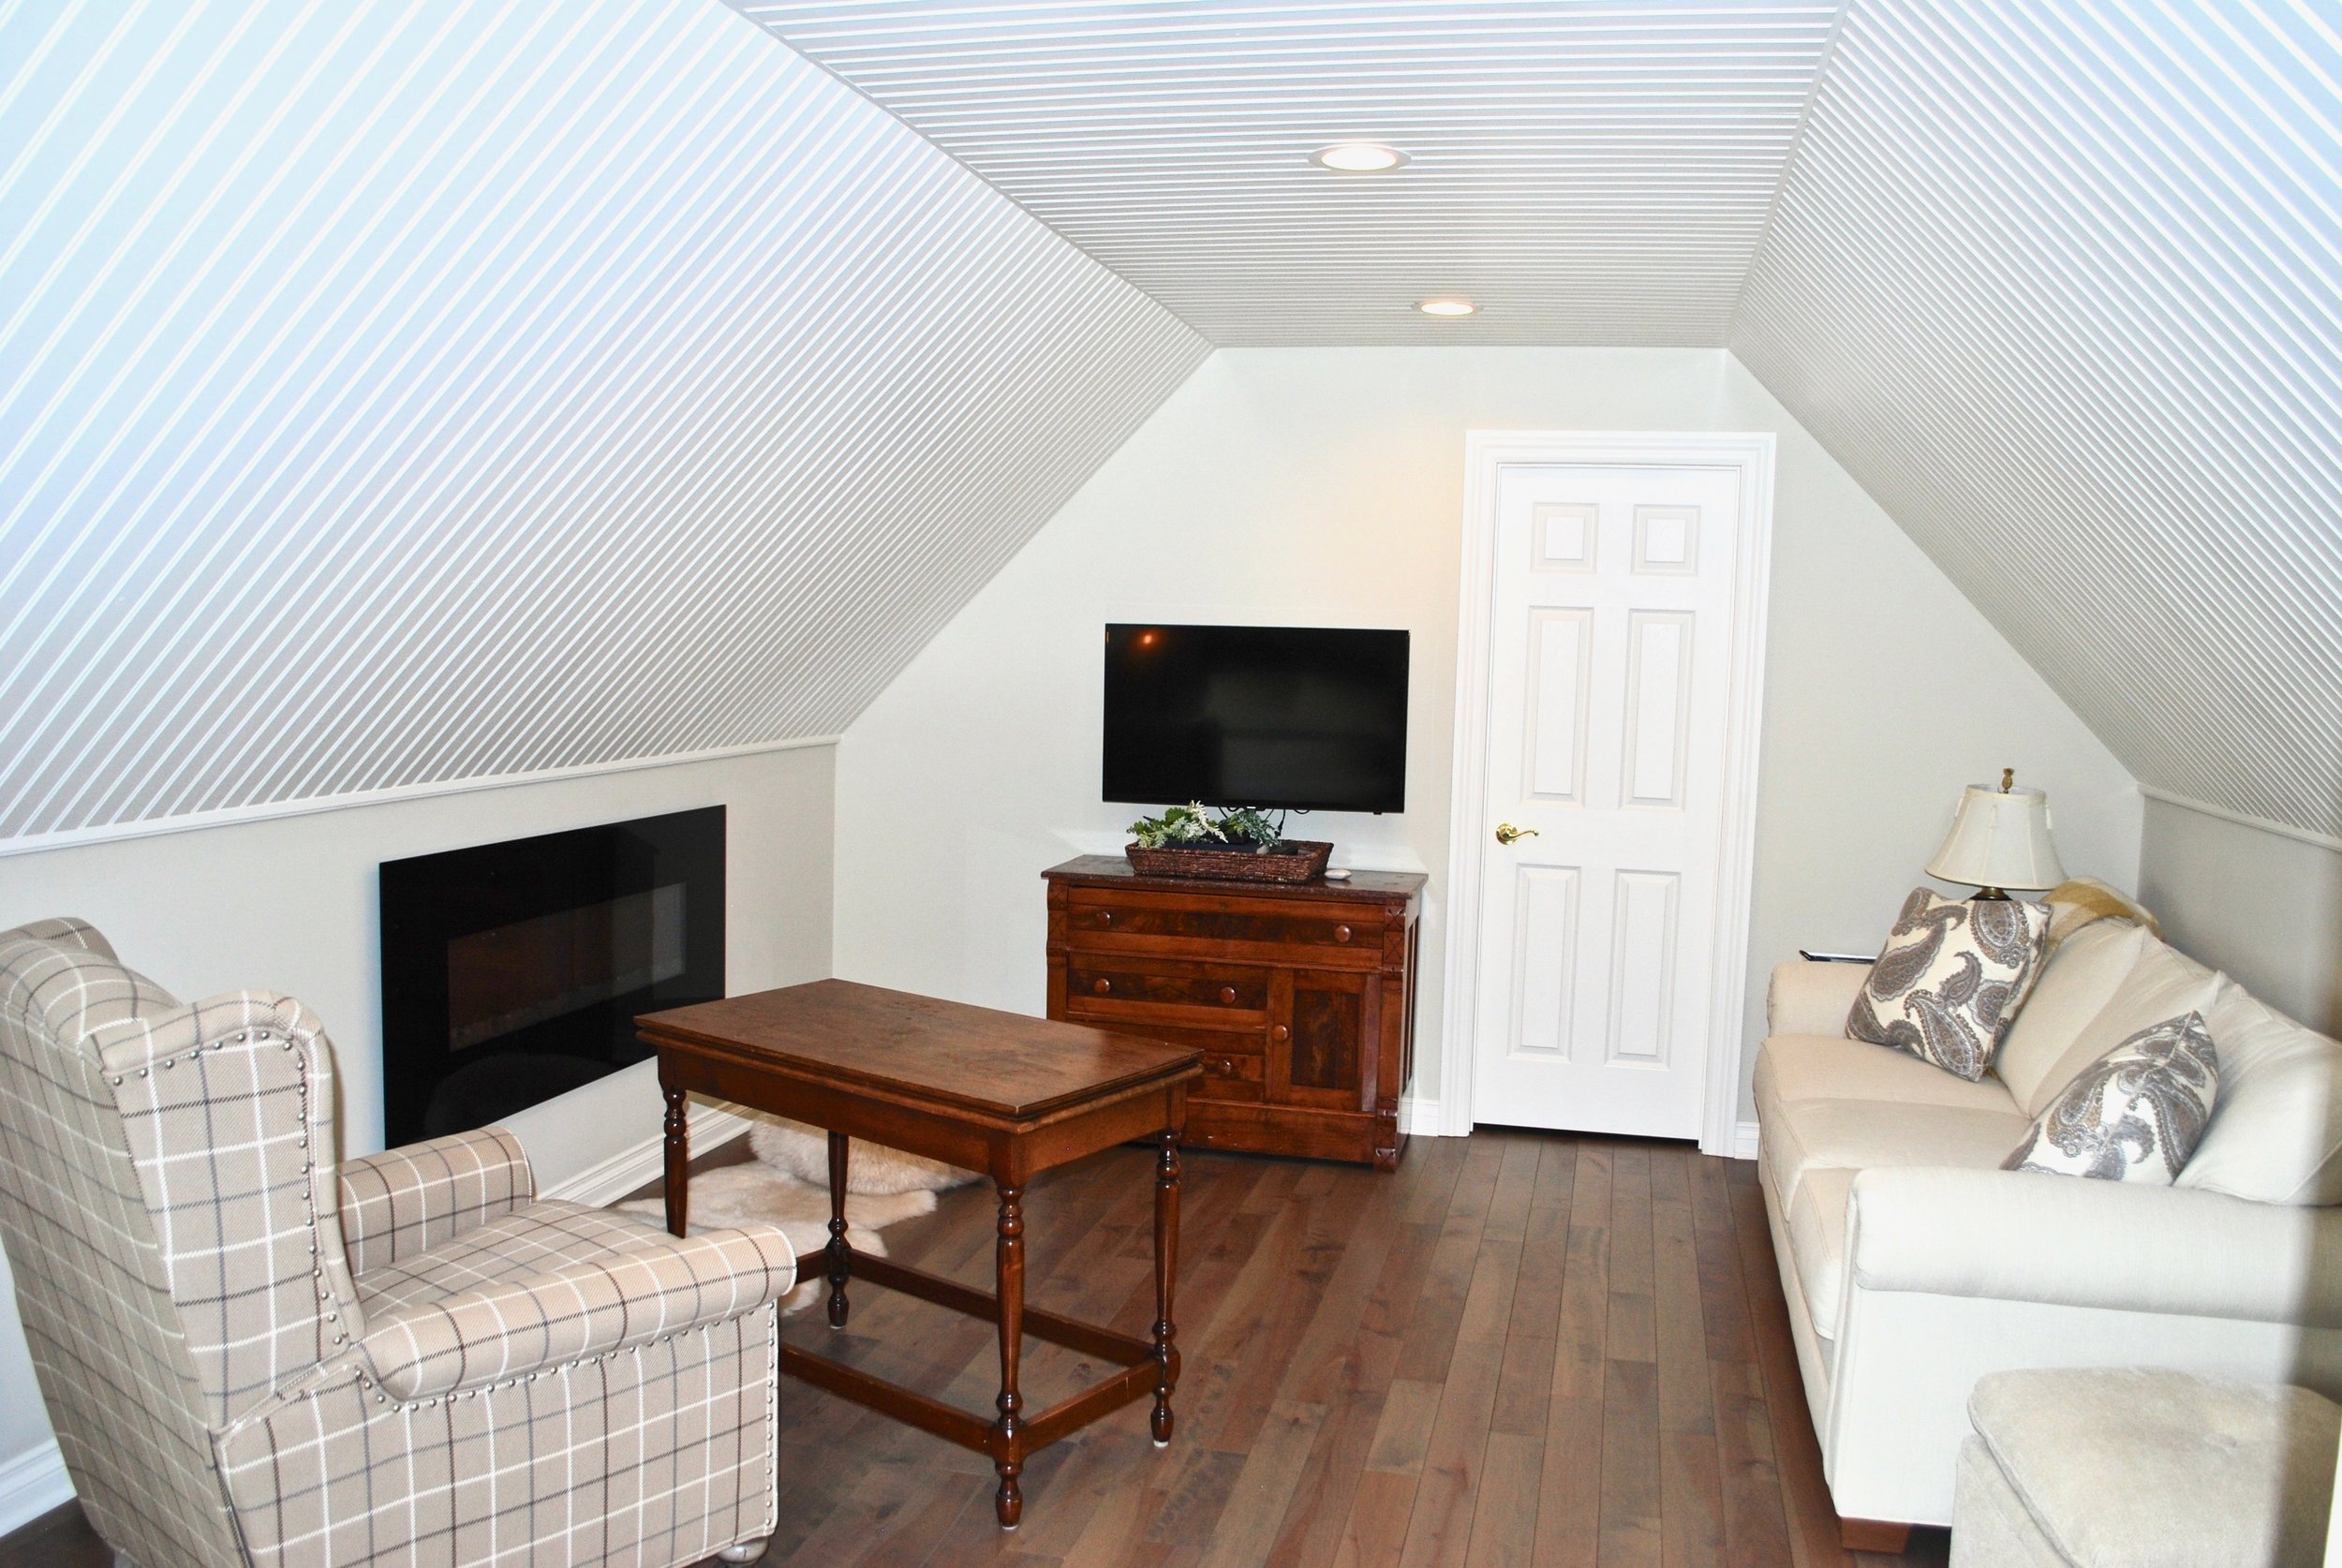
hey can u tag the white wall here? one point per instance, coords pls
(1326, 486)
(2263, 904)
(288, 904)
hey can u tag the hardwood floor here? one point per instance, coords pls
(1521, 1349)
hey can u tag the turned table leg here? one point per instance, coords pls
(1008, 1433)
(678, 1130)
(1166, 1270)
(840, 1251)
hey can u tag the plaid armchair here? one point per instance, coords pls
(250, 1356)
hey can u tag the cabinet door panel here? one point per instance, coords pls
(1323, 1022)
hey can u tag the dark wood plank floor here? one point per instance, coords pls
(1523, 1349)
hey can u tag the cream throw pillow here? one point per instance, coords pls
(2276, 1134)
(1953, 976)
(2136, 1116)
(2079, 978)
(2163, 984)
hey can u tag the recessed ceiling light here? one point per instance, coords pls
(1446, 307)
(1359, 157)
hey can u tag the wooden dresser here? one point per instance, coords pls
(1301, 998)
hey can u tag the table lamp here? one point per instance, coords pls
(1999, 839)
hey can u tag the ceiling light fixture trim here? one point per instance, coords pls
(1359, 157)
(1448, 306)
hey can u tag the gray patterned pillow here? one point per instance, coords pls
(2137, 1115)
(1951, 979)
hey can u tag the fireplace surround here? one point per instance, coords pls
(512, 972)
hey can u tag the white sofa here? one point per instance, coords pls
(1912, 1264)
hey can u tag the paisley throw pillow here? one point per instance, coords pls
(2136, 1116)
(1951, 979)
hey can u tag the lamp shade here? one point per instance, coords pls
(1999, 839)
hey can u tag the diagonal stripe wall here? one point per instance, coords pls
(394, 393)
(2062, 286)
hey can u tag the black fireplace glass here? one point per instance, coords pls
(512, 972)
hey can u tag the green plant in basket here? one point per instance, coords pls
(1192, 824)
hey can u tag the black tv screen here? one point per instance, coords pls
(1301, 718)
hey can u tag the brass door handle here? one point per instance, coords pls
(1507, 832)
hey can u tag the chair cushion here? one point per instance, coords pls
(1953, 976)
(1792, 1066)
(535, 1239)
(2148, 1467)
(2275, 1134)
(2135, 1115)
(2077, 982)
(2163, 984)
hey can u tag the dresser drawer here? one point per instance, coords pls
(1229, 1075)
(1231, 921)
(1107, 988)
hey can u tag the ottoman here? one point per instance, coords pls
(2143, 1467)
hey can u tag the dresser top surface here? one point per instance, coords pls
(1364, 887)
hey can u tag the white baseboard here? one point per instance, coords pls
(1419, 1117)
(1744, 1141)
(32, 1483)
(640, 1163)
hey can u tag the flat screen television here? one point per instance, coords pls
(1298, 718)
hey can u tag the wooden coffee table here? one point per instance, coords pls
(995, 1092)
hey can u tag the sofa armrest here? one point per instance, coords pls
(2025, 1235)
(515, 1327)
(1806, 998)
(398, 1203)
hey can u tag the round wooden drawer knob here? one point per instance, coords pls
(1227, 993)
(1220, 1067)
(1281, 1034)
(1105, 917)
(1103, 986)
(1341, 932)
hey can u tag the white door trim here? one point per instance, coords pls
(1485, 452)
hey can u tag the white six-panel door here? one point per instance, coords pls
(1610, 690)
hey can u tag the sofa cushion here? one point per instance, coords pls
(2275, 1134)
(2134, 1116)
(1951, 979)
(1811, 1067)
(1802, 1136)
(1818, 1227)
(2149, 1467)
(2163, 984)
(2077, 981)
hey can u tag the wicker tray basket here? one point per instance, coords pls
(1305, 864)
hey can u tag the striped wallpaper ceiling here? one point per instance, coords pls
(394, 393)
(2058, 280)
(1586, 172)
(2062, 286)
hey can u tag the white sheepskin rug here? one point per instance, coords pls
(871, 1169)
(788, 1185)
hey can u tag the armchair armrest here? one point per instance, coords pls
(396, 1203)
(1806, 998)
(515, 1328)
(2023, 1235)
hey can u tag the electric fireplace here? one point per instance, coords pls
(512, 972)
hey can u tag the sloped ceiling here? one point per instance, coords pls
(1587, 174)
(2058, 279)
(396, 393)
(403, 393)
(2062, 286)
